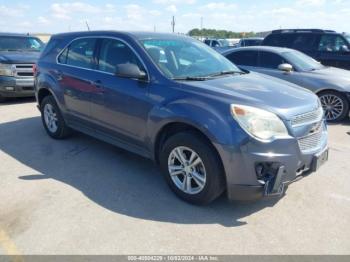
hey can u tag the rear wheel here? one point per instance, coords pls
(335, 105)
(52, 119)
(2, 99)
(192, 168)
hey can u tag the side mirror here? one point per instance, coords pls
(130, 71)
(285, 68)
(344, 48)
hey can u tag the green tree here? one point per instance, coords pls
(219, 33)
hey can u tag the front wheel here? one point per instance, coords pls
(192, 168)
(335, 105)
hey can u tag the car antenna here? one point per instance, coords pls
(87, 25)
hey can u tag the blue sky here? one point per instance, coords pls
(248, 15)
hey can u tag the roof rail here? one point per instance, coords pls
(280, 31)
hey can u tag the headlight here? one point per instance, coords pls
(6, 70)
(259, 123)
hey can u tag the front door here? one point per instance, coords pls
(121, 108)
(334, 51)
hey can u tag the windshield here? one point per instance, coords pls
(187, 58)
(19, 43)
(347, 38)
(302, 61)
(224, 42)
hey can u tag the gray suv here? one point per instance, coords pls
(211, 127)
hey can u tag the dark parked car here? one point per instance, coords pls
(251, 41)
(331, 84)
(18, 54)
(326, 46)
(219, 45)
(211, 127)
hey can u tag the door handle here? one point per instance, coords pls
(98, 85)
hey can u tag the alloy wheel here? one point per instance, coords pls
(50, 117)
(333, 106)
(187, 170)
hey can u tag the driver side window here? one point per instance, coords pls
(331, 43)
(114, 52)
(270, 60)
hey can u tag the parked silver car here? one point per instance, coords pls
(332, 85)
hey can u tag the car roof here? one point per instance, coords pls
(253, 38)
(15, 34)
(303, 31)
(272, 49)
(134, 34)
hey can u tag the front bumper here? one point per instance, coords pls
(16, 87)
(283, 157)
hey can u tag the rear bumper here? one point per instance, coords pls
(282, 158)
(16, 87)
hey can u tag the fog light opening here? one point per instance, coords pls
(265, 171)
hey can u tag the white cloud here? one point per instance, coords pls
(172, 8)
(43, 20)
(311, 2)
(6, 11)
(169, 2)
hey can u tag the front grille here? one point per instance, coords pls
(308, 118)
(312, 141)
(24, 70)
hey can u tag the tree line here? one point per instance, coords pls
(219, 33)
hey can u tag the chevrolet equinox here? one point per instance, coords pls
(211, 127)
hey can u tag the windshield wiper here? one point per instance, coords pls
(227, 73)
(191, 78)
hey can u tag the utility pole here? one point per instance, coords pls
(154, 28)
(173, 24)
(201, 22)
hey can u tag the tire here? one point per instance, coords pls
(213, 176)
(2, 99)
(335, 105)
(58, 128)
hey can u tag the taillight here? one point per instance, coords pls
(34, 69)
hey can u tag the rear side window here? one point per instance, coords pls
(114, 52)
(79, 53)
(270, 60)
(304, 41)
(245, 58)
(281, 40)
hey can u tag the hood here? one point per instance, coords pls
(253, 89)
(19, 57)
(332, 77)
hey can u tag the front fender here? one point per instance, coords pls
(214, 121)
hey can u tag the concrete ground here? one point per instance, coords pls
(83, 196)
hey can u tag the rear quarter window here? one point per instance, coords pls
(280, 40)
(79, 53)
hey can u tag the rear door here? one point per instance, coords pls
(306, 43)
(331, 51)
(75, 73)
